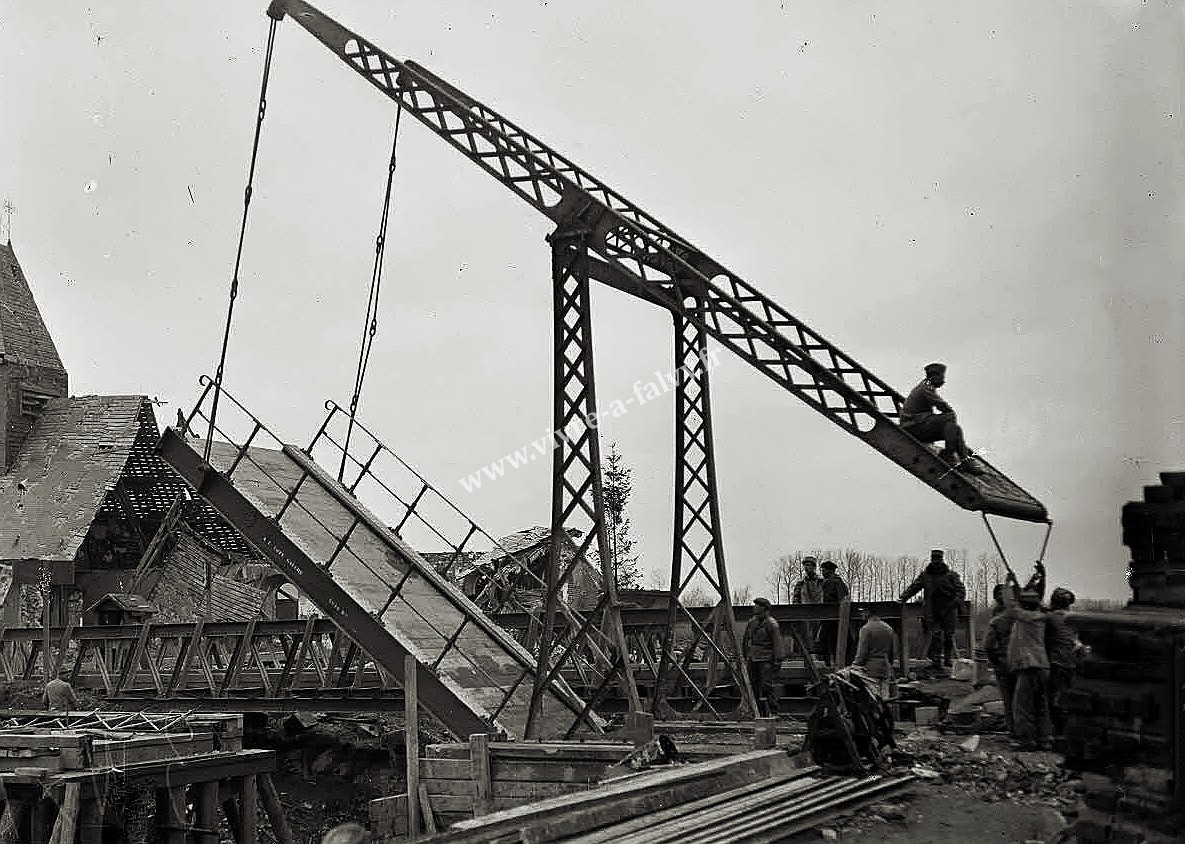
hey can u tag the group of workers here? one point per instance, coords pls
(1032, 650)
(1034, 653)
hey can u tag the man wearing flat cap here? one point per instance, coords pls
(928, 418)
(762, 645)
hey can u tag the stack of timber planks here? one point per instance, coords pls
(1126, 726)
(744, 797)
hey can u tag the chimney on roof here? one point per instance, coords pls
(31, 372)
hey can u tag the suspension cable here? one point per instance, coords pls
(996, 542)
(234, 283)
(371, 323)
(1000, 551)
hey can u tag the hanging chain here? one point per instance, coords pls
(234, 284)
(370, 325)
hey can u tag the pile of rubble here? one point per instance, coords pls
(988, 769)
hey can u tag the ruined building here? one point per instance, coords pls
(83, 494)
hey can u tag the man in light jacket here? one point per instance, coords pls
(1028, 660)
(876, 650)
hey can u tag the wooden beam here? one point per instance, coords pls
(426, 810)
(411, 733)
(479, 767)
(841, 634)
(205, 805)
(249, 810)
(274, 809)
(171, 806)
(234, 818)
(156, 546)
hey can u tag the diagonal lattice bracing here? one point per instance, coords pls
(669, 271)
(698, 552)
(579, 552)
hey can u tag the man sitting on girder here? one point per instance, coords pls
(919, 419)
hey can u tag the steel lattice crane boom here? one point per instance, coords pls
(642, 256)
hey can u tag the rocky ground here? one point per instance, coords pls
(970, 788)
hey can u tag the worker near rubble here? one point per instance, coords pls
(1064, 649)
(762, 645)
(1028, 659)
(995, 648)
(59, 696)
(943, 594)
(927, 417)
(876, 650)
(834, 590)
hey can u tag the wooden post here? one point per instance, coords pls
(971, 643)
(230, 810)
(426, 810)
(67, 824)
(274, 809)
(170, 814)
(903, 658)
(765, 733)
(249, 810)
(8, 823)
(841, 634)
(46, 607)
(39, 828)
(479, 766)
(206, 809)
(639, 726)
(411, 733)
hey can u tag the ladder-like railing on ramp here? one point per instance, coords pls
(354, 567)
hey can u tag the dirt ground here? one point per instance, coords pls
(971, 787)
(942, 814)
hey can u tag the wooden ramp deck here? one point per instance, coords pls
(471, 674)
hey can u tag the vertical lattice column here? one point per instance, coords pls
(577, 512)
(698, 552)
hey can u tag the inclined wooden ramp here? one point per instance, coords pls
(471, 674)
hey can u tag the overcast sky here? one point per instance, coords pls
(992, 184)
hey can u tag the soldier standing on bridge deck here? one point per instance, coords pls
(834, 591)
(763, 655)
(943, 594)
(918, 418)
(809, 589)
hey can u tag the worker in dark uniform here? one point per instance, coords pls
(943, 594)
(995, 648)
(762, 645)
(809, 590)
(1064, 649)
(920, 419)
(834, 591)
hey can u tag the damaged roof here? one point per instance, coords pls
(70, 461)
(525, 540)
(24, 338)
(124, 601)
